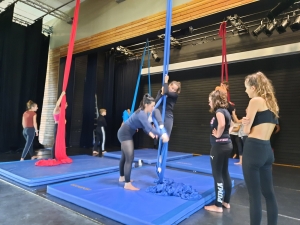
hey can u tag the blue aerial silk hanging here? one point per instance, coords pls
(166, 186)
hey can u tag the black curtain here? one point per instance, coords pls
(23, 62)
(89, 105)
(108, 96)
(126, 74)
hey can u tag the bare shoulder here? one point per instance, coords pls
(259, 103)
(258, 100)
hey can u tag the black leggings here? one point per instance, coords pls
(257, 169)
(219, 155)
(126, 159)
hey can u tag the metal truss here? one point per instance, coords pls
(48, 9)
(24, 21)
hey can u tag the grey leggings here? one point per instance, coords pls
(28, 133)
(257, 169)
(126, 159)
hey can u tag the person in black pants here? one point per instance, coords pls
(220, 150)
(172, 91)
(100, 133)
(258, 157)
(137, 120)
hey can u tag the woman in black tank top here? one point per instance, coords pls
(262, 114)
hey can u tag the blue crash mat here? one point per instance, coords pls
(149, 156)
(26, 173)
(103, 194)
(202, 164)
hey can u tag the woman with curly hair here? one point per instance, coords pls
(262, 116)
(221, 148)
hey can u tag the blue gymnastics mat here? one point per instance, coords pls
(149, 156)
(26, 173)
(103, 194)
(202, 164)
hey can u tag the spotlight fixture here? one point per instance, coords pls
(295, 26)
(259, 29)
(238, 24)
(270, 27)
(161, 36)
(281, 28)
(279, 8)
(124, 51)
(155, 56)
(175, 43)
(183, 32)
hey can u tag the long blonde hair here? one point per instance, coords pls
(264, 89)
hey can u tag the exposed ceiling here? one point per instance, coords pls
(28, 13)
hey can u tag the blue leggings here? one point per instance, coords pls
(257, 168)
(28, 133)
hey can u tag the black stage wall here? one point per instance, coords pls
(23, 64)
(191, 117)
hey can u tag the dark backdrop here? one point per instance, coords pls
(23, 64)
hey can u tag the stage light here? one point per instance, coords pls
(175, 43)
(238, 24)
(270, 28)
(279, 8)
(259, 29)
(124, 51)
(295, 26)
(155, 56)
(284, 24)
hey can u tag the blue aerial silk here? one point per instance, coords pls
(126, 115)
(165, 186)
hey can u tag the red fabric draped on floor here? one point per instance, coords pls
(60, 144)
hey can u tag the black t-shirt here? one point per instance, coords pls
(225, 137)
(171, 100)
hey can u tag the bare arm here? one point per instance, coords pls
(234, 117)
(35, 125)
(23, 122)
(277, 129)
(251, 112)
(231, 126)
(221, 124)
(56, 109)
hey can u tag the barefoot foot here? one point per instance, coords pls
(234, 156)
(129, 186)
(238, 163)
(226, 205)
(213, 208)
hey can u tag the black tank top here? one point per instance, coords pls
(266, 116)
(225, 137)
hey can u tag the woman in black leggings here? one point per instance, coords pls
(137, 120)
(221, 148)
(262, 116)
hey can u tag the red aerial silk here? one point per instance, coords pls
(222, 34)
(60, 144)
